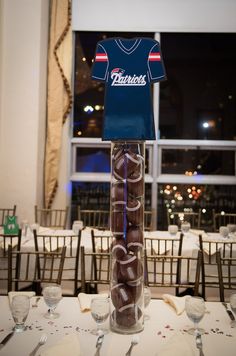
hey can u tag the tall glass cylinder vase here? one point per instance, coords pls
(127, 230)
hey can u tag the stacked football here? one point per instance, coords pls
(127, 200)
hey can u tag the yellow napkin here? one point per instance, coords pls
(68, 346)
(177, 345)
(12, 294)
(85, 300)
(178, 303)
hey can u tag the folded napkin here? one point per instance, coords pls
(178, 303)
(12, 294)
(177, 345)
(85, 300)
(68, 346)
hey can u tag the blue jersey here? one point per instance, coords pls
(128, 67)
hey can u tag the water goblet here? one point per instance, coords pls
(20, 306)
(100, 310)
(52, 296)
(147, 299)
(232, 301)
(185, 227)
(172, 229)
(195, 310)
(224, 231)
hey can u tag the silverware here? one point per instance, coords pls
(35, 304)
(134, 342)
(41, 342)
(230, 314)
(99, 344)
(199, 344)
(6, 339)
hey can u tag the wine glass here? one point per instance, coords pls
(100, 309)
(185, 227)
(147, 299)
(195, 310)
(52, 296)
(20, 306)
(232, 301)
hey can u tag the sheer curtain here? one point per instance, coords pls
(59, 96)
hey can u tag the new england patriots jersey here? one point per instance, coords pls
(128, 67)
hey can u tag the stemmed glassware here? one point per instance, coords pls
(52, 296)
(20, 306)
(232, 301)
(185, 227)
(195, 310)
(147, 299)
(100, 310)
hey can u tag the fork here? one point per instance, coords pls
(199, 344)
(134, 342)
(41, 342)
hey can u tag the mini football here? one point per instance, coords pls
(118, 195)
(135, 184)
(128, 317)
(136, 289)
(121, 296)
(126, 164)
(118, 223)
(116, 274)
(118, 248)
(134, 238)
(130, 268)
(134, 211)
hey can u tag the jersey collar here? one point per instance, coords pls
(121, 44)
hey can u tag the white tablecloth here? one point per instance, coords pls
(162, 325)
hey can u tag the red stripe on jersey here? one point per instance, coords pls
(101, 57)
(155, 56)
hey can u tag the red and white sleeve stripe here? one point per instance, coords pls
(154, 56)
(101, 57)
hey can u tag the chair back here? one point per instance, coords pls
(51, 243)
(149, 220)
(220, 219)
(6, 212)
(54, 218)
(226, 274)
(177, 217)
(35, 268)
(99, 219)
(179, 272)
(209, 262)
(89, 279)
(5, 241)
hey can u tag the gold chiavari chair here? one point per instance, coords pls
(94, 218)
(91, 278)
(226, 274)
(50, 243)
(100, 244)
(54, 218)
(34, 268)
(177, 217)
(5, 241)
(165, 271)
(222, 219)
(6, 212)
(148, 220)
(209, 263)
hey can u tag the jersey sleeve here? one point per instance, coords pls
(155, 64)
(100, 64)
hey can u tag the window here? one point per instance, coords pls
(198, 101)
(195, 114)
